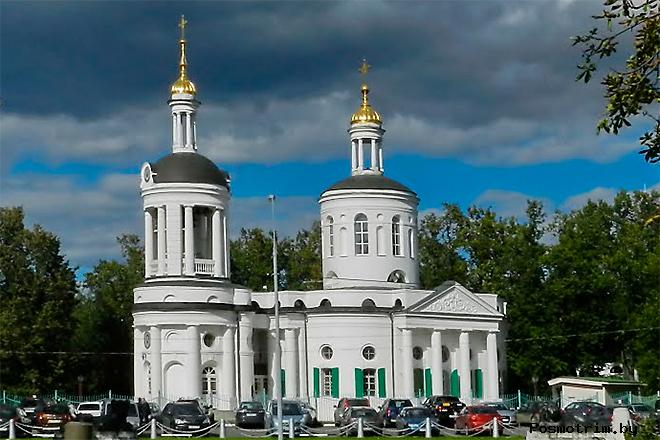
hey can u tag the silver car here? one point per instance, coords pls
(292, 412)
(508, 415)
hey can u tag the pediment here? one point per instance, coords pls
(454, 299)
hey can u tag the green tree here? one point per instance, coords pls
(37, 293)
(252, 261)
(104, 319)
(303, 259)
(632, 89)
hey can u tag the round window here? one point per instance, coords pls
(418, 352)
(147, 339)
(209, 339)
(369, 352)
(445, 353)
(326, 352)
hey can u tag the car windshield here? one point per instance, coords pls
(288, 409)
(416, 413)
(89, 407)
(186, 409)
(29, 403)
(400, 403)
(358, 402)
(641, 408)
(7, 411)
(498, 406)
(363, 412)
(483, 410)
(56, 409)
(255, 406)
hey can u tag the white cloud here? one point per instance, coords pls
(595, 195)
(509, 203)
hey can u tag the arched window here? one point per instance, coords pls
(411, 244)
(331, 236)
(368, 304)
(361, 235)
(299, 305)
(325, 303)
(398, 276)
(396, 235)
(209, 383)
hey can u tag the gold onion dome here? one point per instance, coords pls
(183, 83)
(365, 114)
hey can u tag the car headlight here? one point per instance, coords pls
(179, 421)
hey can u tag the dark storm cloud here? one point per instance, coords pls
(455, 61)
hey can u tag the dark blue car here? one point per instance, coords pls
(390, 409)
(414, 419)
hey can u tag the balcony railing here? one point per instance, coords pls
(204, 266)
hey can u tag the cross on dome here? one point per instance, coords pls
(365, 114)
(183, 85)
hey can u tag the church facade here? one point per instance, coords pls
(369, 332)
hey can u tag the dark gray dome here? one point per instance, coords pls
(369, 181)
(188, 168)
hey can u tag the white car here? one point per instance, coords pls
(94, 409)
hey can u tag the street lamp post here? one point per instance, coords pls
(278, 348)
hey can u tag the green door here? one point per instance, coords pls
(455, 384)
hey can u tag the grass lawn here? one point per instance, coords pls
(515, 437)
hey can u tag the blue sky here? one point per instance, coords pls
(478, 99)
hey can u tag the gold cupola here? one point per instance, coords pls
(365, 114)
(183, 85)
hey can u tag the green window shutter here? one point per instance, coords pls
(418, 382)
(382, 390)
(478, 383)
(316, 383)
(359, 383)
(428, 383)
(335, 382)
(455, 384)
(283, 381)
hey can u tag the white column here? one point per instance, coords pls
(189, 130)
(138, 371)
(380, 157)
(174, 250)
(302, 363)
(353, 156)
(374, 158)
(217, 237)
(189, 240)
(360, 155)
(228, 368)
(436, 362)
(174, 133)
(246, 354)
(492, 380)
(291, 363)
(179, 135)
(225, 244)
(273, 344)
(464, 368)
(162, 243)
(406, 355)
(148, 242)
(156, 364)
(194, 367)
(194, 126)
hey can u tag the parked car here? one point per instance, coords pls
(446, 408)
(368, 415)
(390, 409)
(155, 409)
(134, 417)
(345, 403)
(473, 418)
(313, 414)
(30, 405)
(6, 414)
(537, 412)
(587, 414)
(52, 417)
(184, 416)
(291, 412)
(508, 415)
(90, 411)
(414, 418)
(251, 415)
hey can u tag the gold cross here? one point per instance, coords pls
(364, 68)
(182, 26)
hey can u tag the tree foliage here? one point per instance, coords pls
(632, 89)
(37, 294)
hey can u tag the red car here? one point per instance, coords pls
(52, 417)
(473, 418)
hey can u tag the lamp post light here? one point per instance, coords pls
(278, 348)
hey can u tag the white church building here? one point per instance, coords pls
(371, 331)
